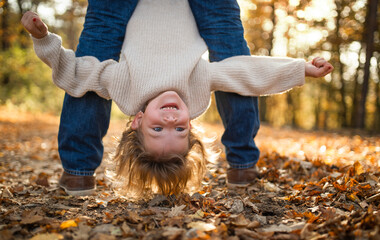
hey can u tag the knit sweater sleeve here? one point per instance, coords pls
(76, 75)
(256, 75)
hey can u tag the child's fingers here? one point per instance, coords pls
(314, 60)
(41, 26)
(319, 62)
(328, 68)
(28, 17)
(34, 25)
(324, 70)
(318, 68)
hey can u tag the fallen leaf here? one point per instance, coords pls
(202, 226)
(237, 206)
(82, 232)
(176, 211)
(47, 236)
(68, 224)
(373, 198)
(6, 193)
(102, 236)
(241, 232)
(133, 217)
(358, 168)
(30, 217)
(173, 233)
(198, 214)
(148, 212)
(240, 221)
(284, 228)
(271, 187)
(42, 180)
(128, 232)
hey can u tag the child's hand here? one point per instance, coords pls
(34, 25)
(319, 67)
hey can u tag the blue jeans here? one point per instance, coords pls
(85, 120)
(220, 26)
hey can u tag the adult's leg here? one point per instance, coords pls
(85, 120)
(220, 26)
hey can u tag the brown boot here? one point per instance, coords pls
(241, 177)
(76, 185)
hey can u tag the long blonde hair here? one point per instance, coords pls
(139, 172)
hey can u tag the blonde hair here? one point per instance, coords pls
(139, 172)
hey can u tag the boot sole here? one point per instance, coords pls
(79, 192)
(237, 185)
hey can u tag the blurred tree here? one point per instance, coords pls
(376, 122)
(71, 22)
(259, 22)
(24, 80)
(371, 25)
(342, 41)
(5, 41)
(4, 33)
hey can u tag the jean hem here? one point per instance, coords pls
(80, 173)
(242, 166)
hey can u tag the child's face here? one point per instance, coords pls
(165, 125)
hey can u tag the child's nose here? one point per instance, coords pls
(170, 118)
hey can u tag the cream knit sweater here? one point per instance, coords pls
(162, 51)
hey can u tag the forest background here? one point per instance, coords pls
(345, 32)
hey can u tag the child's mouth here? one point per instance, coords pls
(170, 106)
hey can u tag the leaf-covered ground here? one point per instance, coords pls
(315, 185)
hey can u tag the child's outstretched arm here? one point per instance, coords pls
(74, 75)
(261, 75)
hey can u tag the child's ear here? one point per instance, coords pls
(137, 121)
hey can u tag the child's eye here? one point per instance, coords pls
(179, 129)
(157, 129)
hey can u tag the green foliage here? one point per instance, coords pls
(26, 82)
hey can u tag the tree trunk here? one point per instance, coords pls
(317, 108)
(23, 33)
(342, 90)
(330, 92)
(371, 25)
(343, 111)
(263, 100)
(290, 110)
(376, 122)
(263, 109)
(19, 4)
(355, 93)
(5, 44)
(4, 37)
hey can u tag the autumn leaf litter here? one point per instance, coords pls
(314, 185)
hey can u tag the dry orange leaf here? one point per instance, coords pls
(365, 186)
(358, 168)
(339, 187)
(68, 223)
(299, 187)
(353, 197)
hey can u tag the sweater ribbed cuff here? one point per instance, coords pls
(45, 41)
